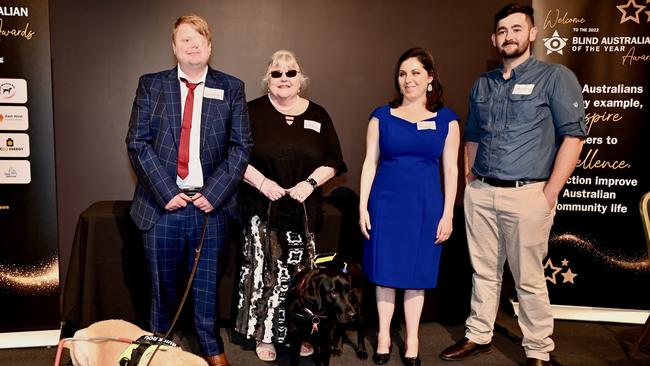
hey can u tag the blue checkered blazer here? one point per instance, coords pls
(154, 135)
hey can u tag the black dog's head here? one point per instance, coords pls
(330, 290)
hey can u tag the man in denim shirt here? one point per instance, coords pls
(522, 140)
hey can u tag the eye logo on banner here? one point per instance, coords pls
(631, 11)
(555, 43)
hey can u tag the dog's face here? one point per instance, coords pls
(332, 291)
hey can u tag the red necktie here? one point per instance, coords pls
(184, 147)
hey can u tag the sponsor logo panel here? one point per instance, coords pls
(14, 145)
(13, 118)
(15, 172)
(13, 91)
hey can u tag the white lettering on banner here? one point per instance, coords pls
(14, 11)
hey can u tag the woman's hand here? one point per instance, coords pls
(271, 190)
(300, 191)
(444, 229)
(364, 223)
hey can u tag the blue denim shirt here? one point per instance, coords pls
(518, 123)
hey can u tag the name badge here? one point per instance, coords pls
(212, 93)
(312, 125)
(426, 125)
(523, 89)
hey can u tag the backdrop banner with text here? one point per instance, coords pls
(597, 251)
(29, 270)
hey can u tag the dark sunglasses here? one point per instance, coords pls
(289, 73)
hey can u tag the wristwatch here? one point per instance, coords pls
(312, 182)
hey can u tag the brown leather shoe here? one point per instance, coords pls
(217, 360)
(464, 349)
(536, 362)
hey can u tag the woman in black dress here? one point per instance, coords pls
(296, 151)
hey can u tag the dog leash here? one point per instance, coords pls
(197, 255)
(157, 345)
(309, 237)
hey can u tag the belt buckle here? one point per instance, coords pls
(190, 192)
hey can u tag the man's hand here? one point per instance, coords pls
(551, 197)
(469, 177)
(202, 203)
(178, 201)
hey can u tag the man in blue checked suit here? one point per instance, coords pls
(189, 143)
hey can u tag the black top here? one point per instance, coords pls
(288, 154)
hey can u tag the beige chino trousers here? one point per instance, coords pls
(513, 224)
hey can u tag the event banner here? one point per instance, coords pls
(29, 274)
(597, 251)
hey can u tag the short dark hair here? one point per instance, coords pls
(434, 97)
(513, 9)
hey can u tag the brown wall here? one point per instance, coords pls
(347, 47)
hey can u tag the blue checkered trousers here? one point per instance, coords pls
(171, 236)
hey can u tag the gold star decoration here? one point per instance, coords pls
(556, 270)
(568, 276)
(647, 12)
(629, 9)
(565, 262)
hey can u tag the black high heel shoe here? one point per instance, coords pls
(410, 361)
(382, 358)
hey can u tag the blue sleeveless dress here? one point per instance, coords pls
(406, 201)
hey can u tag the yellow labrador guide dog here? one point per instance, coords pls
(90, 347)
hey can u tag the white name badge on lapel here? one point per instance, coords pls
(523, 89)
(426, 125)
(312, 125)
(212, 93)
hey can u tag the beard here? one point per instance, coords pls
(520, 50)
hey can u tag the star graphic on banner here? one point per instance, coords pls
(556, 270)
(629, 8)
(565, 262)
(568, 276)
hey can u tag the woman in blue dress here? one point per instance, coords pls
(404, 214)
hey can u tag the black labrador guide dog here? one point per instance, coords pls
(322, 303)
